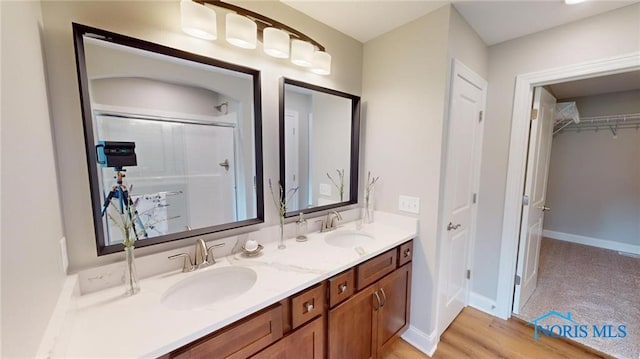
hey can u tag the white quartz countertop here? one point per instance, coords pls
(106, 324)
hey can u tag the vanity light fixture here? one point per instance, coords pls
(241, 31)
(321, 63)
(573, 2)
(302, 53)
(198, 20)
(244, 28)
(275, 42)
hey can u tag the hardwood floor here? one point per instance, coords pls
(474, 334)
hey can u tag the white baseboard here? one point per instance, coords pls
(426, 343)
(483, 303)
(594, 242)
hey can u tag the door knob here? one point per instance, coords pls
(224, 164)
(545, 208)
(452, 226)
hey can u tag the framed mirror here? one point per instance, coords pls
(178, 134)
(319, 142)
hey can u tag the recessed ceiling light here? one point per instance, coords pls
(572, 2)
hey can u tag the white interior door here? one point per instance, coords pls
(460, 196)
(291, 156)
(535, 190)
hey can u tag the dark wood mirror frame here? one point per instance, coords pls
(102, 247)
(354, 150)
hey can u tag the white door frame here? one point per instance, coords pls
(523, 97)
(458, 68)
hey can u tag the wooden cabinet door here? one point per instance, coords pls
(304, 343)
(393, 316)
(351, 327)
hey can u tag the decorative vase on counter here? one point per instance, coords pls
(130, 276)
(281, 244)
(367, 211)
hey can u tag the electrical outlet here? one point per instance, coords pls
(409, 204)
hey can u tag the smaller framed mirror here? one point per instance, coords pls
(319, 147)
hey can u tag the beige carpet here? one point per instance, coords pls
(597, 286)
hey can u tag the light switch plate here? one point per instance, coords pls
(325, 189)
(409, 204)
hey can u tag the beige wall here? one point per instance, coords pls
(466, 46)
(404, 76)
(606, 35)
(32, 274)
(594, 179)
(159, 22)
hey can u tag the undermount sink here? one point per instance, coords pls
(347, 238)
(208, 287)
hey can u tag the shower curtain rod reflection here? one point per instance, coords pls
(136, 116)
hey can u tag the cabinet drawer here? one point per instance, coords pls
(240, 340)
(405, 254)
(341, 287)
(376, 268)
(307, 305)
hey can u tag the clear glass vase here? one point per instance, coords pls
(131, 286)
(281, 244)
(367, 210)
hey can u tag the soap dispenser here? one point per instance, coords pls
(301, 228)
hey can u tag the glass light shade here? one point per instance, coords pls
(275, 42)
(241, 31)
(198, 20)
(321, 63)
(302, 53)
(573, 2)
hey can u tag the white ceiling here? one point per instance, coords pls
(498, 21)
(494, 21)
(361, 19)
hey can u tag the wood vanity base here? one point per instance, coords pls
(355, 314)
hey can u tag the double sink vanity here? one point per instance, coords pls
(341, 294)
(193, 166)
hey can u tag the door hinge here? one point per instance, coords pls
(525, 200)
(517, 279)
(475, 198)
(480, 115)
(534, 114)
(468, 273)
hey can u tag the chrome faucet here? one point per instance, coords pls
(200, 257)
(330, 222)
(203, 256)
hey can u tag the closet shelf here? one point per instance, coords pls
(611, 123)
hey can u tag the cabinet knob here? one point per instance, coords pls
(309, 306)
(342, 288)
(407, 252)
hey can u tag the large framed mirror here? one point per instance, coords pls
(319, 146)
(177, 133)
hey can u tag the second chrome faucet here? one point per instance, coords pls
(330, 222)
(203, 256)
